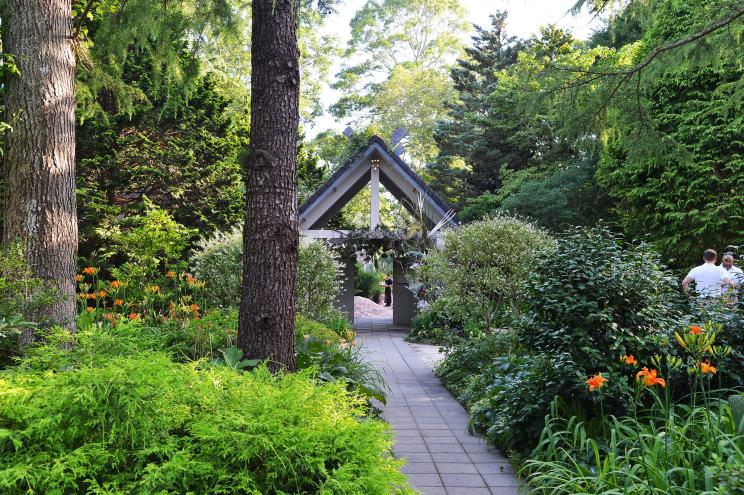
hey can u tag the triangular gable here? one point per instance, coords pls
(395, 174)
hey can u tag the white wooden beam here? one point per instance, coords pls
(374, 210)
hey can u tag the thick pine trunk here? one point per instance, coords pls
(39, 158)
(270, 237)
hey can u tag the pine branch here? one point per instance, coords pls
(722, 22)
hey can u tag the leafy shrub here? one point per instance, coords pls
(219, 262)
(318, 277)
(365, 282)
(443, 323)
(467, 360)
(145, 424)
(596, 297)
(341, 361)
(307, 328)
(512, 396)
(483, 265)
(21, 295)
(148, 244)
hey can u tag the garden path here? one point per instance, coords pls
(429, 425)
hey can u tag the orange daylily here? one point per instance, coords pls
(118, 302)
(79, 278)
(649, 378)
(629, 360)
(89, 270)
(133, 316)
(90, 309)
(696, 330)
(115, 284)
(92, 295)
(596, 382)
(170, 274)
(706, 368)
(194, 308)
(102, 293)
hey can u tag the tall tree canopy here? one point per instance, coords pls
(401, 50)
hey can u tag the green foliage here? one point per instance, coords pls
(305, 328)
(466, 361)
(596, 296)
(480, 130)
(675, 449)
(483, 264)
(440, 323)
(342, 362)
(232, 357)
(148, 243)
(183, 158)
(21, 296)
(318, 278)
(145, 424)
(406, 45)
(219, 262)
(365, 282)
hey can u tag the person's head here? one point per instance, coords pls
(727, 261)
(710, 256)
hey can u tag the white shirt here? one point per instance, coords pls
(708, 279)
(735, 274)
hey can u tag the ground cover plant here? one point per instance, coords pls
(145, 424)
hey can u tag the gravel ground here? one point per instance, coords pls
(366, 308)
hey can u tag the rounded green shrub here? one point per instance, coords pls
(219, 262)
(147, 425)
(305, 327)
(483, 265)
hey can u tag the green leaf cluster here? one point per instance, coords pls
(144, 424)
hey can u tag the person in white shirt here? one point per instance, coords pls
(734, 272)
(709, 278)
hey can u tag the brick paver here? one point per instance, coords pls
(429, 425)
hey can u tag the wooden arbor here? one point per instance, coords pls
(375, 164)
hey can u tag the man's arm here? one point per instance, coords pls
(686, 283)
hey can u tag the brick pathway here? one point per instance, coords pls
(430, 426)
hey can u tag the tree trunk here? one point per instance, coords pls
(39, 158)
(270, 236)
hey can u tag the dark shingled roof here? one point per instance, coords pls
(397, 159)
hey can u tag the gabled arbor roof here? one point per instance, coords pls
(395, 174)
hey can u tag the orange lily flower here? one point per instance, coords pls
(133, 316)
(629, 360)
(118, 302)
(79, 278)
(89, 270)
(90, 309)
(115, 284)
(596, 382)
(648, 378)
(706, 368)
(102, 293)
(170, 274)
(696, 330)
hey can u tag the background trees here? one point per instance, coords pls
(395, 76)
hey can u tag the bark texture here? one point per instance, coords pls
(271, 236)
(39, 158)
